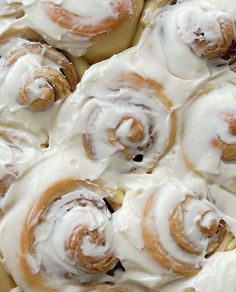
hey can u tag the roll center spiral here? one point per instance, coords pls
(228, 150)
(132, 128)
(91, 264)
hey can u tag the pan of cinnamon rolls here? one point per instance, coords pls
(117, 146)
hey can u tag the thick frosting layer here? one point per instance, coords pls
(127, 114)
(166, 48)
(32, 86)
(166, 226)
(208, 132)
(226, 6)
(123, 120)
(216, 275)
(70, 24)
(64, 238)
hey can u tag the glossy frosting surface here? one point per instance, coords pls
(128, 179)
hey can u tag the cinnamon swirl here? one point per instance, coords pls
(123, 120)
(95, 28)
(201, 34)
(63, 238)
(208, 138)
(42, 77)
(170, 228)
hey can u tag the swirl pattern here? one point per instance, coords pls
(74, 26)
(170, 228)
(212, 141)
(202, 34)
(123, 126)
(190, 211)
(86, 242)
(209, 36)
(66, 237)
(42, 76)
(123, 180)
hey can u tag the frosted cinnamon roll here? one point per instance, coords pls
(209, 133)
(123, 120)
(96, 28)
(200, 34)
(35, 79)
(208, 34)
(64, 238)
(19, 149)
(170, 229)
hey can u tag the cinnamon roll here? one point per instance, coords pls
(98, 29)
(208, 139)
(42, 78)
(170, 229)
(123, 120)
(64, 237)
(200, 33)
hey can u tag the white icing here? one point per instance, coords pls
(13, 78)
(35, 88)
(99, 104)
(204, 120)
(217, 275)
(189, 22)
(226, 6)
(61, 218)
(168, 192)
(36, 16)
(163, 54)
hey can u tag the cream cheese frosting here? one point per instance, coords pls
(217, 275)
(128, 222)
(39, 16)
(154, 124)
(52, 261)
(34, 102)
(118, 116)
(208, 132)
(163, 51)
